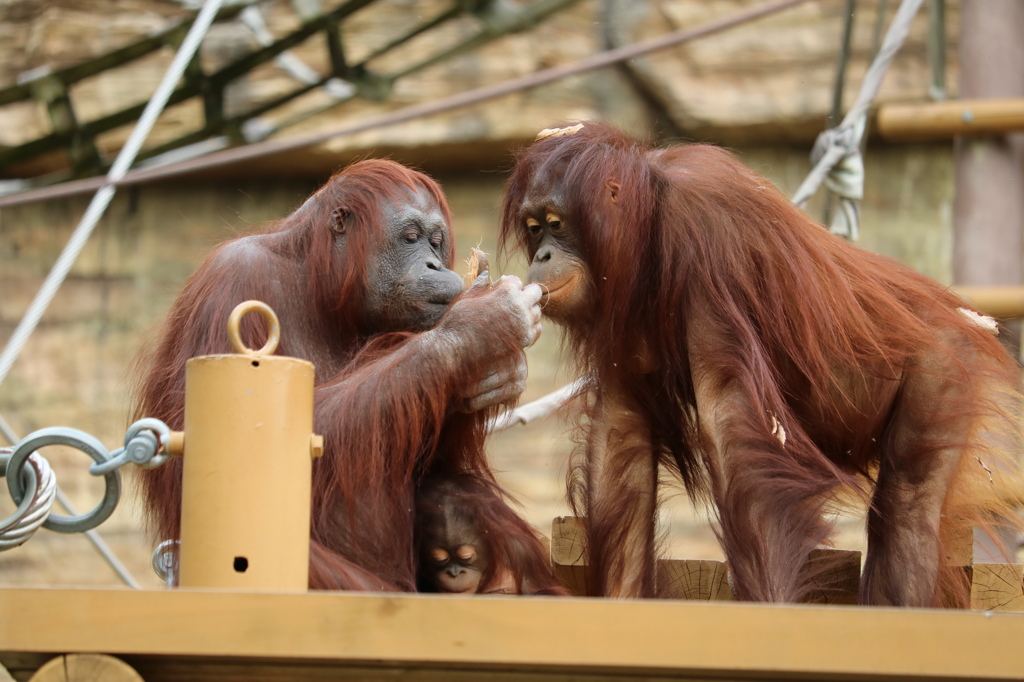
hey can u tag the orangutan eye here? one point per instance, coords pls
(466, 553)
(411, 237)
(532, 226)
(436, 240)
(554, 221)
(439, 555)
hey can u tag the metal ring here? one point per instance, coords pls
(165, 561)
(163, 434)
(59, 435)
(273, 328)
(161, 429)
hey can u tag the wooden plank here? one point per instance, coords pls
(997, 587)
(494, 26)
(833, 573)
(118, 57)
(336, 51)
(676, 579)
(452, 12)
(54, 95)
(193, 86)
(57, 140)
(944, 120)
(168, 669)
(641, 638)
(248, 62)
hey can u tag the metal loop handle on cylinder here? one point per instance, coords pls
(273, 328)
(80, 441)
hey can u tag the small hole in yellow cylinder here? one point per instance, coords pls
(241, 564)
(255, 363)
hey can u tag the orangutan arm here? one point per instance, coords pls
(472, 359)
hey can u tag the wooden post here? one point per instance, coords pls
(86, 668)
(988, 211)
(997, 587)
(834, 575)
(697, 579)
(569, 553)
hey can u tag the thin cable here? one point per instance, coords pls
(101, 545)
(841, 62)
(101, 200)
(462, 99)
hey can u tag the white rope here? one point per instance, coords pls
(101, 200)
(16, 530)
(836, 154)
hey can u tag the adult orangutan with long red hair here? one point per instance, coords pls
(408, 370)
(769, 363)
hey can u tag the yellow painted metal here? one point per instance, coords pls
(247, 466)
(943, 120)
(176, 443)
(532, 635)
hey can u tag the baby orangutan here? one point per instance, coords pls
(462, 544)
(452, 554)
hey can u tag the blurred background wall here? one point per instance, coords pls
(764, 90)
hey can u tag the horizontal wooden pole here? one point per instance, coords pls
(1000, 302)
(527, 635)
(943, 120)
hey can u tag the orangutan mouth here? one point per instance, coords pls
(551, 290)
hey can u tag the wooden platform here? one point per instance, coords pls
(215, 635)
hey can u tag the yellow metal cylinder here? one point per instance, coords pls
(247, 473)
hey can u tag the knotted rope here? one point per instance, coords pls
(836, 154)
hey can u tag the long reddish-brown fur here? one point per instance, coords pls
(383, 429)
(706, 285)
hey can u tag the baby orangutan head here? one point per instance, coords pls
(452, 554)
